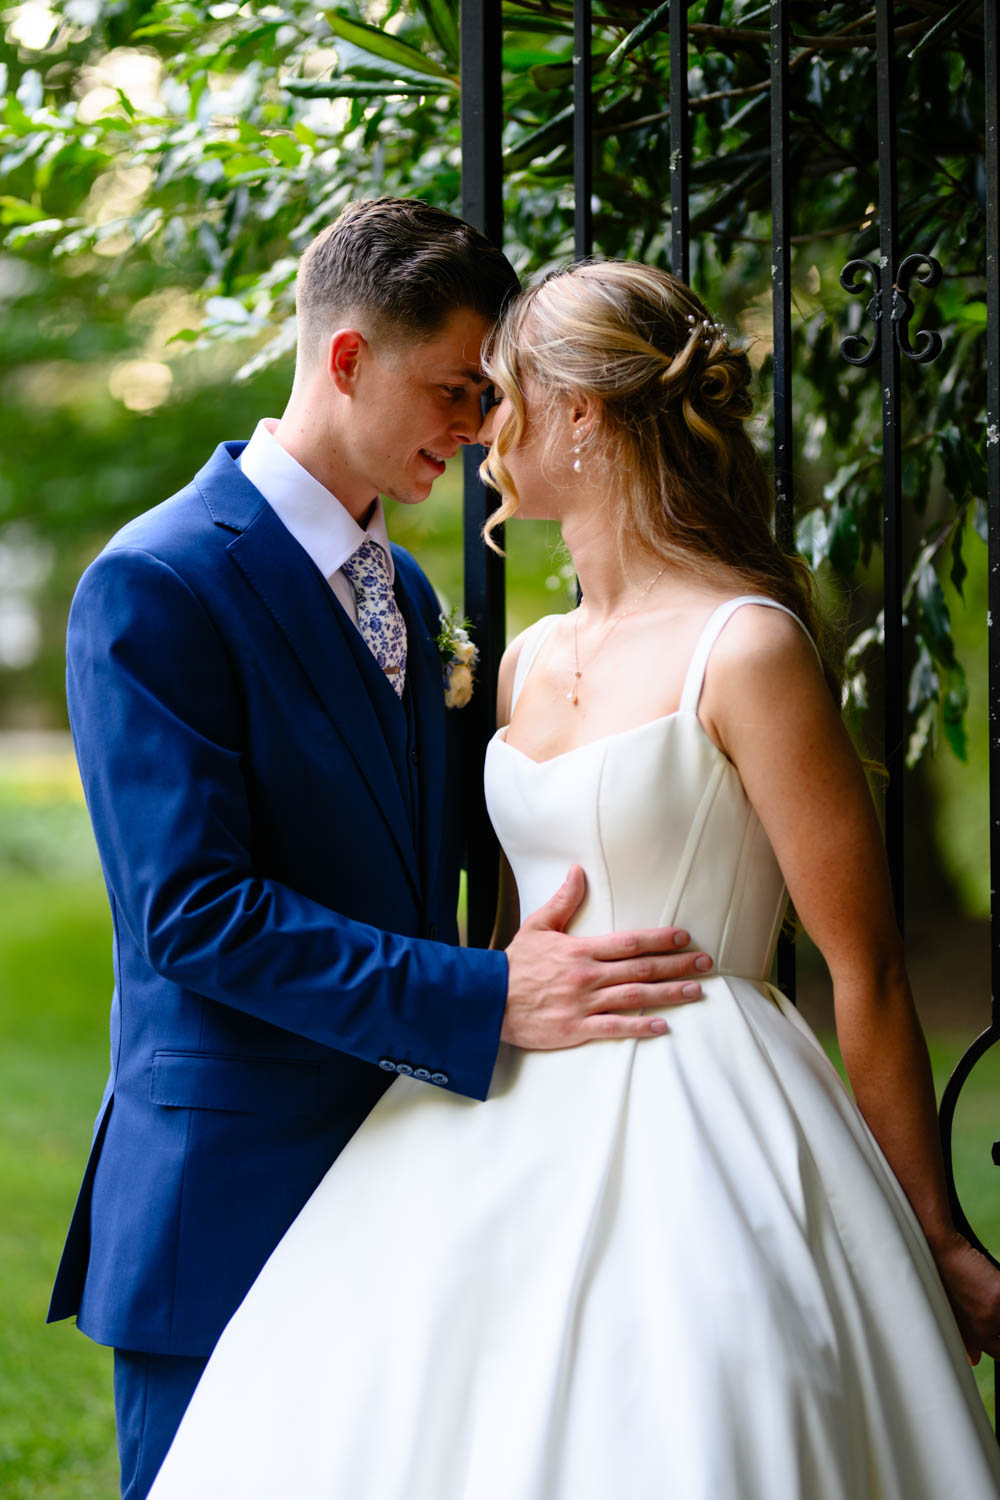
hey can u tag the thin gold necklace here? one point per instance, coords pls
(574, 695)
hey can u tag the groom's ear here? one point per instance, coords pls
(344, 354)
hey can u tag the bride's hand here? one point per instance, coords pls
(973, 1286)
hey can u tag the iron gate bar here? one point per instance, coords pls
(583, 107)
(680, 142)
(892, 586)
(988, 1038)
(781, 316)
(481, 41)
(992, 112)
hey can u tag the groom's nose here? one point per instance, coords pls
(485, 433)
(466, 418)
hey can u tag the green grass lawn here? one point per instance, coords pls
(56, 1428)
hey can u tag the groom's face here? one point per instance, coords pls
(414, 406)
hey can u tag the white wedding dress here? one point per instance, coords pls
(672, 1269)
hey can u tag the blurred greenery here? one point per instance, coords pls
(162, 165)
(56, 1423)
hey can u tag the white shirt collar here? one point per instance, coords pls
(312, 513)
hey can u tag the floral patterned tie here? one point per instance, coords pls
(379, 618)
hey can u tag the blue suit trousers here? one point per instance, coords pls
(152, 1392)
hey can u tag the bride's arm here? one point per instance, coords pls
(508, 917)
(768, 707)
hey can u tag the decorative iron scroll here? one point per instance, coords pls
(928, 346)
(949, 1099)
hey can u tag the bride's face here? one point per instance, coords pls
(540, 466)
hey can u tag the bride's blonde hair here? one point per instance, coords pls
(685, 481)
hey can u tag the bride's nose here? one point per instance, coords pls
(485, 433)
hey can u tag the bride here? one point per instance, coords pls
(694, 1268)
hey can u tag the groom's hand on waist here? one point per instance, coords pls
(563, 990)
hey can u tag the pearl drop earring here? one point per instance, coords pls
(577, 461)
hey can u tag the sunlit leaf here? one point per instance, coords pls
(16, 211)
(381, 44)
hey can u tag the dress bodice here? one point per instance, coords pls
(658, 818)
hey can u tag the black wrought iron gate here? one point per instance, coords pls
(886, 281)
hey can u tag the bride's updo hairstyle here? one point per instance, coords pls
(684, 480)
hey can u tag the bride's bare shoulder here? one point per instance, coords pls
(764, 666)
(763, 639)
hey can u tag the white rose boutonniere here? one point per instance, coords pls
(458, 659)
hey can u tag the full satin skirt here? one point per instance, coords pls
(673, 1268)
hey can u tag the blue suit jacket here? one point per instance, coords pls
(281, 851)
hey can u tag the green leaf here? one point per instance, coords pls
(845, 542)
(17, 211)
(245, 161)
(443, 22)
(924, 683)
(953, 710)
(958, 569)
(559, 75)
(934, 615)
(657, 18)
(812, 536)
(964, 466)
(343, 88)
(923, 733)
(380, 44)
(287, 150)
(981, 521)
(538, 142)
(549, 25)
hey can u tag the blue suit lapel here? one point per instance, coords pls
(423, 671)
(316, 628)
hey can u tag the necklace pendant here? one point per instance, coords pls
(571, 695)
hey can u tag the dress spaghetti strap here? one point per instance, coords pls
(695, 678)
(534, 638)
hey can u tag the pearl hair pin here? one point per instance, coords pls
(708, 329)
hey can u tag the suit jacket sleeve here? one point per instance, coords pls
(157, 722)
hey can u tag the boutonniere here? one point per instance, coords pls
(458, 659)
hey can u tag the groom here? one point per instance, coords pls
(258, 711)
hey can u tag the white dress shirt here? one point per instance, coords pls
(314, 516)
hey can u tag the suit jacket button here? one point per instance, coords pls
(387, 1065)
(432, 931)
(439, 1078)
(421, 1073)
(404, 1068)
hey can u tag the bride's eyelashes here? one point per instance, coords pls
(491, 397)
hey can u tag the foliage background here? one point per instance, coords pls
(162, 165)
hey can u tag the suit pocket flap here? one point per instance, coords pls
(245, 1085)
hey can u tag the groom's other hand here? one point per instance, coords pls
(563, 990)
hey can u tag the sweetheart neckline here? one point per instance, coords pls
(500, 738)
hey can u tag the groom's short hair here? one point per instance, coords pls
(398, 267)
